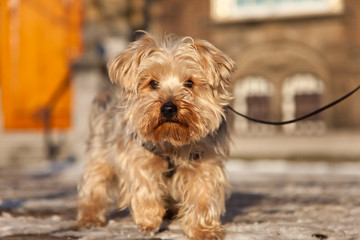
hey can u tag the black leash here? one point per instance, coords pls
(299, 118)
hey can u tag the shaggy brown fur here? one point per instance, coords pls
(158, 140)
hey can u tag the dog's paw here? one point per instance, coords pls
(89, 222)
(149, 216)
(201, 233)
(149, 224)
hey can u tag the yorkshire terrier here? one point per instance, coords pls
(158, 139)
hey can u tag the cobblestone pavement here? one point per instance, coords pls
(271, 200)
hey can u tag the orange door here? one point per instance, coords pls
(39, 38)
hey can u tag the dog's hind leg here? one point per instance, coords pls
(97, 193)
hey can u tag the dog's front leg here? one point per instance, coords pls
(200, 190)
(147, 190)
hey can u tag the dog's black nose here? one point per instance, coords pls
(168, 110)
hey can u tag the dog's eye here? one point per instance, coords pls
(189, 84)
(153, 84)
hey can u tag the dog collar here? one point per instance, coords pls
(168, 158)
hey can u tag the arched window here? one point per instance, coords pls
(253, 97)
(302, 94)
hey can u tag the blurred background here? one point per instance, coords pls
(293, 56)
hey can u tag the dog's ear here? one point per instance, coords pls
(217, 65)
(122, 69)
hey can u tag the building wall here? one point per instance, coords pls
(183, 17)
(327, 46)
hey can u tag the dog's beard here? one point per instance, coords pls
(174, 132)
(183, 128)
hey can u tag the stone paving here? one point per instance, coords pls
(271, 200)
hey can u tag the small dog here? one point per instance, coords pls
(159, 139)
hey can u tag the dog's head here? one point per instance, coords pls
(175, 89)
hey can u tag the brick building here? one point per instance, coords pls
(292, 56)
